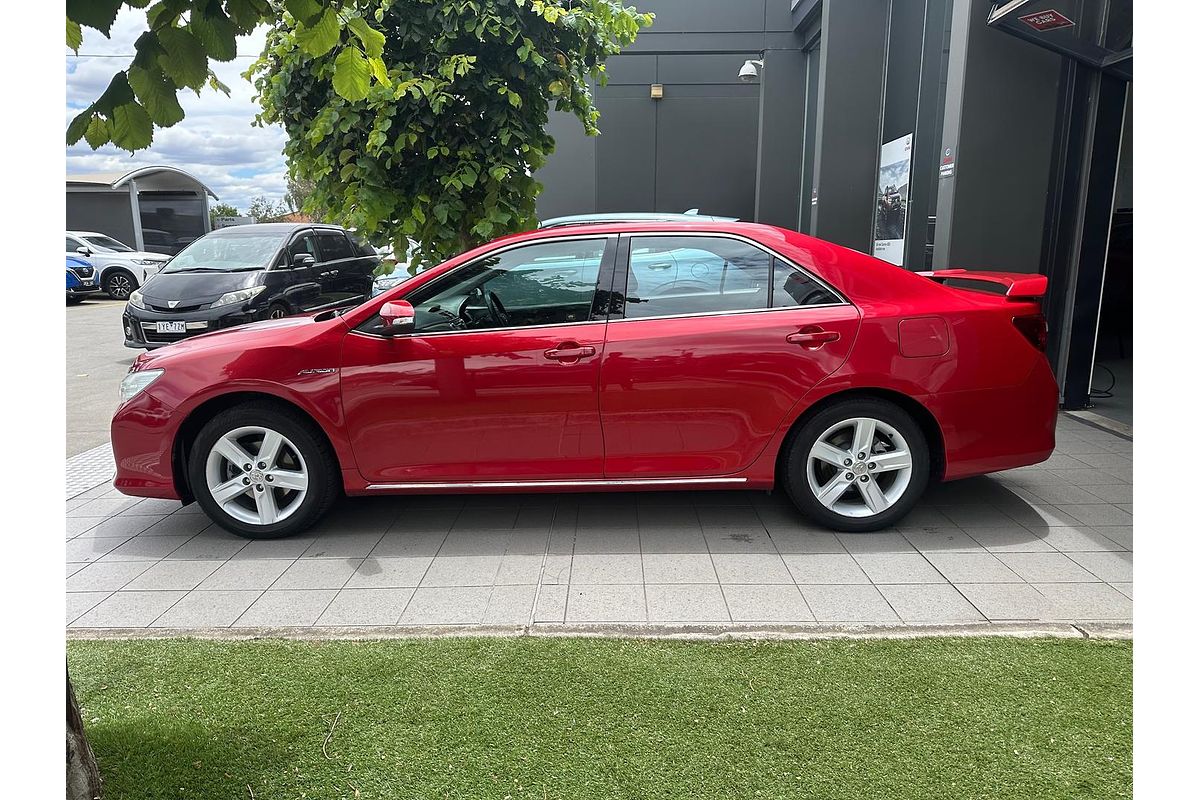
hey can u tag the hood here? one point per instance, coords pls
(142, 255)
(241, 337)
(197, 288)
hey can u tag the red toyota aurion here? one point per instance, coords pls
(606, 357)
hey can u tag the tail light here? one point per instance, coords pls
(1033, 328)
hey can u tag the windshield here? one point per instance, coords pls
(107, 243)
(229, 253)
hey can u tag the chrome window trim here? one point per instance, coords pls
(536, 484)
(356, 331)
(730, 313)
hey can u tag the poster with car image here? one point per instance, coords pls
(891, 212)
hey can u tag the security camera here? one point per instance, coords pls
(749, 71)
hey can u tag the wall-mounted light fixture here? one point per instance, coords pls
(656, 91)
(750, 70)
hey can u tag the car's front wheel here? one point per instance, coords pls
(262, 471)
(857, 466)
(119, 284)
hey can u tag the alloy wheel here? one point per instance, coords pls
(859, 467)
(120, 287)
(256, 475)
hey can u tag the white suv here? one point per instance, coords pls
(120, 268)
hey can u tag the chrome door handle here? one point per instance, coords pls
(813, 338)
(570, 352)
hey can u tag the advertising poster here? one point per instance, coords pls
(895, 162)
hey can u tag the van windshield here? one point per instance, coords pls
(229, 253)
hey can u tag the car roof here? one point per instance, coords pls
(89, 233)
(638, 216)
(274, 227)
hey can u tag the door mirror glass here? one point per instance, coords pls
(398, 316)
(303, 260)
(83, 251)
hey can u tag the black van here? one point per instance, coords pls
(248, 273)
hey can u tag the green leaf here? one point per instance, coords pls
(320, 37)
(184, 59)
(97, 133)
(351, 74)
(98, 14)
(372, 40)
(118, 93)
(305, 11)
(79, 125)
(131, 127)
(379, 70)
(215, 31)
(74, 35)
(157, 94)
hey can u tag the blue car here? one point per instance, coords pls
(81, 280)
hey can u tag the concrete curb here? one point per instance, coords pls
(702, 633)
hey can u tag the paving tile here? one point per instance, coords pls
(880, 542)
(1110, 567)
(442, 606)
(510, 605)
(249, 574)
(535, 519)
(212, 544)
(462, 571)
(825, 568)
(73, 567)
(605, 517)
(977, 516)
(516, 570)
(93, 548)
(972, 568)
(923, 604)
(1063, 493)
(751, 568)
(747, 541)
(1099, 514)
(128, 610)
(357, 544)
(1086, 477)
(1078, 539)
(290, 548)
(77, 525)
(1012, 539)
(408, 544)
(1125, 589)
(901, 567)
(623, 603)
(685, 603)
(667, 518)
(606, 569)
(475, 543)
(366, 607)
(218, 609)
(556, 569)
(614, 542)
(848, 604)
(79, 603)
(1007, 601)
(485, 519)
(767, 603)
(1087, 601)
(105, 527)
(678, 568)
(1120, 534)
(527, 542)
(106, 576)
(177, 525)
(436, 520)
(1113, 493)
(389, 573)
(143, 548)
(317, 573)
(667, 541)
(286, 608)
(806, 542)
(720, 519)
(173, 575)
(1046, 567)
(154, 506)
(103, 507)
(925, 517)
(945, 540)
(551, 605)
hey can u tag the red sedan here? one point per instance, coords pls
(607, 357)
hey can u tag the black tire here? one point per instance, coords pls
(278, 311)
(323, 485)
(74, 301)
(794, 467)
(119, 284)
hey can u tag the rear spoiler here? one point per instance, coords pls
(1018, 286)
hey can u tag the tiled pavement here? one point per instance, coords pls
(1047, 543)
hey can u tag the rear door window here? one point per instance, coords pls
(674, 275)
(334, 246)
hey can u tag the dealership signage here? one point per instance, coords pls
(891, 206)
(1046, 20)
(229, 222)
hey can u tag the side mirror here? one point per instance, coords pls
(303, 260)
(398, 317)
(83, 251)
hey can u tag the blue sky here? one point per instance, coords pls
(215, 142)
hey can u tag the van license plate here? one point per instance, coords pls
(170, 327)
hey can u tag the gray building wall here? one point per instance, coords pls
(106, 212)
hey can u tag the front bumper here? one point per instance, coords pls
(82, 291)
(143, 431)
(141, 324)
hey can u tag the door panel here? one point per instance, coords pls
(485, 405)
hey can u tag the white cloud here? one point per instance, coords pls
(216, 141)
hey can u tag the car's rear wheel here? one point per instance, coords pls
(119, 284)
(277, 311)
(262, 471)
(857, 466)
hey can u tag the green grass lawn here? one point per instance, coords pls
(591, 718)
